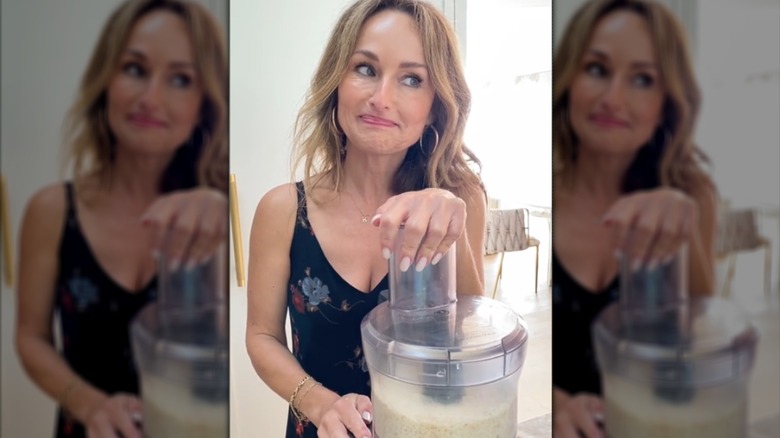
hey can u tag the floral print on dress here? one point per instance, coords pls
(83, 291)
(358, 360)
(309, 293)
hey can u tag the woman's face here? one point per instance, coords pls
(154, 97)
(385, 97)
(616, 96)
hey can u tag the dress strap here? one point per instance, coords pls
(303, 215)
(70, 203)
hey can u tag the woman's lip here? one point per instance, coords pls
(608, 121)
(378, 121)
(147, 121)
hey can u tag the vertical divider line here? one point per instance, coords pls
(235, 222)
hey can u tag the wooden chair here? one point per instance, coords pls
(738, 232)
(507, 230)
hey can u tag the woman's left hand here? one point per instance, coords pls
(433, 221)
(188, 225)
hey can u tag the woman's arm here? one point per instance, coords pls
(470, 247)
(38, 266)
(268, 276)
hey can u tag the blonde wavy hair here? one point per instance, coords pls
(203, 158)
(318, 143)
(670, 158)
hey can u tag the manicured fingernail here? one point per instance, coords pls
(386, 253)
(421, 264)
(366, 416)
(598, 416)
(436, 259)
(375, 219)
(136, 416)
(405, 262)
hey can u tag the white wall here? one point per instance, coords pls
(45, 48)
(275, 48)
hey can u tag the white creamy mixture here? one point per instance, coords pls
(634, 411)
(172, 411)
(401, 412)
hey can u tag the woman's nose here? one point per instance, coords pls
(614, 94)
(383, 94)
(152, 94)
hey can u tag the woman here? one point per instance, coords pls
(380, 141)
(629, 182)
(148, 145)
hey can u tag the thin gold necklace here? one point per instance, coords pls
(363, 217)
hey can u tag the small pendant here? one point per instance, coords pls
(365, 219)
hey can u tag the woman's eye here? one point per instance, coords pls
(181, 80)
(364, 69)
(595, 69)
(412, 81)
(133, 69)
(644, 80)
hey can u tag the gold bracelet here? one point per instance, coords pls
(66, 391)
(303, 394)
(295, 412)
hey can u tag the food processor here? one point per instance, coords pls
(442, 365)
(673, 365)
(181, 350)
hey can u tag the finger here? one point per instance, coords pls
(159, 217)
(353, 419)
(619, 219)
(135, 407)
(101, 428)
(365, 408)
(564, 428)
(413, 234)
(211, 233)
(669, 239)
(182, 234)
(584, 418)
(643, 236)
(121, 418)
(454, 232)
(389, 220)
(331, 427)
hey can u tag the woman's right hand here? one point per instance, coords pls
(650, 226)
(116, 416)
(349, 414)
(579, 416)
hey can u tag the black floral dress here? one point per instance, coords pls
(325, 315)
(95, 315)
(574, 310)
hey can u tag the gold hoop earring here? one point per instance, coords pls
(435, 145)
(333, 122)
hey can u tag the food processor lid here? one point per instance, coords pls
(193, 338)
(712, 334)
(473, 341)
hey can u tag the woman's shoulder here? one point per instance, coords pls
(48, 201)
(44, 212)
(282, 197)
(278, 206)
